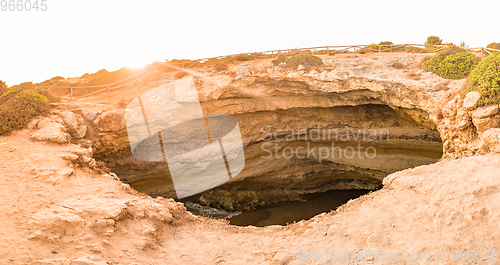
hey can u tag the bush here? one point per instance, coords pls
(31, 86)
(219, 67)
(242, 57)
(299, 59)
(18, 105)
(3, 87)
(281, 58)
(494, 45)
(303, 59)
(485, 79)
(381, 46)
(397, 65)
(433, 40)
(387, 43)
(458, 66)
(452, 63)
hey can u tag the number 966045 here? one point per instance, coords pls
(23, 5)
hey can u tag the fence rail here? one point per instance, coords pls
(371, 47)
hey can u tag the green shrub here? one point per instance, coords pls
(299, 59)
(433, 40)
(18, 105)
(457, 66)
(31, 86)
(452, 63)
(387, 43)
(57, 78)
(303, 59)
(485, 79)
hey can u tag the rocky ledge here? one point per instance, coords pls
(370, 119)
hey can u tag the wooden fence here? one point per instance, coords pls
(180, 66)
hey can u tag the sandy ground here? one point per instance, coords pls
(51, 213)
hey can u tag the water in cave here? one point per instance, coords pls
(282, 214)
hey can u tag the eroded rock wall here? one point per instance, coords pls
(312, 130)
(369, 128)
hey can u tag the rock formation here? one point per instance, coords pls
(311, 130)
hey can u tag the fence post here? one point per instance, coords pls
(482, 54)
(108, 92)
(71, 93)
(406, 47)
(379, 48)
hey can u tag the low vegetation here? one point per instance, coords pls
(485, 79)
(433, 40)
(298, 59)
(221, 66)
(494, 45)
(452, 63)
(20, 103)
(388, 46)
(396, 65)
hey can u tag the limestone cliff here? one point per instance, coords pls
(372, 120)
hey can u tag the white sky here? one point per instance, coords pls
(74, 37)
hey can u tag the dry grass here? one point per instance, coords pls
(397, 65)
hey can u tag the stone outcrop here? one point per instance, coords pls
(74, 124)
(389, 118)
(470, 101)
(110, 121)
(491, 138)
(51, 132)
(463, 126)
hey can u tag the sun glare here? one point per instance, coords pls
(136, 65)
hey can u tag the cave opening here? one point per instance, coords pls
(301, 162)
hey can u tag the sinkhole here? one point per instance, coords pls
(300, 162)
